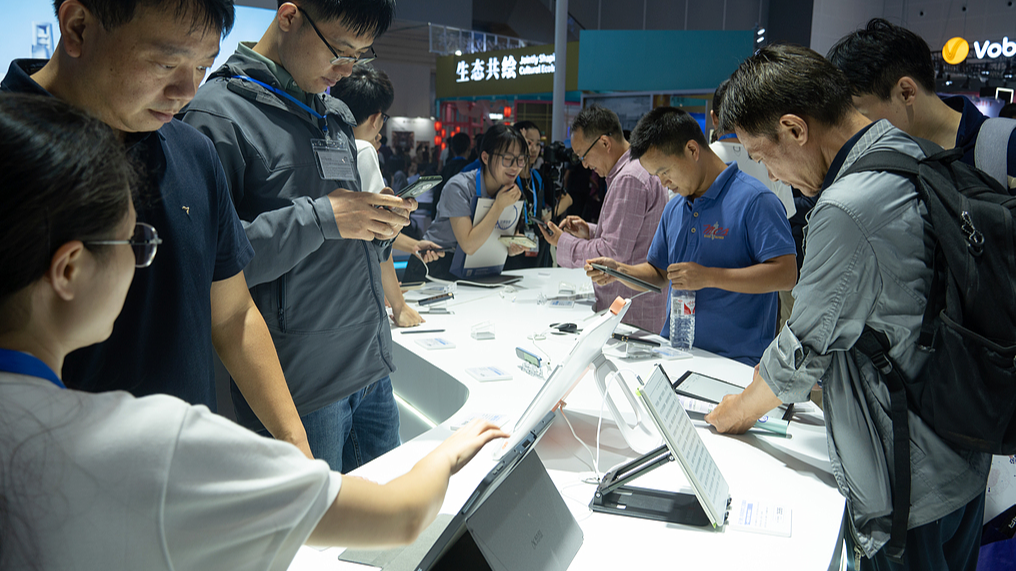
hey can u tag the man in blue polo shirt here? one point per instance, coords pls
(726, 236)
(133, 65)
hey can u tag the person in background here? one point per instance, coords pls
(110, 481)
(503, 155)
(445, 152)
(397, 166)
(725, 236)
(133, 64)
(631, 212)
(866, 264)
(459, 146)
(1008, 111)
(385, 151)
(287, 148)
(534, 194)
(891, 76)
(368, 93)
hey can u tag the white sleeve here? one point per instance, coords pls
(236, 500)
(369, 168)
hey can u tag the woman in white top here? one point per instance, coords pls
(109, 481)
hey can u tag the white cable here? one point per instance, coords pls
(568, 422)
(599, 422)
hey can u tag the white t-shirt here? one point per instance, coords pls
(369, 168)
(730, 151)
(109, 481)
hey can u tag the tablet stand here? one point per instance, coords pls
(613, 496)
(642, 437)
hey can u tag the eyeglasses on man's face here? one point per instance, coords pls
(337, 59)
(508, 160)
(596, 140)
(144, 243)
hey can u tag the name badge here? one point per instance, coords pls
(334, 161)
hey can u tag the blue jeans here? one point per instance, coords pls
(355, 430)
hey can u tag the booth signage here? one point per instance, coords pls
(957, 49)
(504, 72)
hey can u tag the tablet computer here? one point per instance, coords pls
(705, 388)
(630, 279)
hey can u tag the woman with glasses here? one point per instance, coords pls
(110, 481)
(503, 155)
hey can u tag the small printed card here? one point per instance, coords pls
(759, 517)
(433, 343)
(490, 373)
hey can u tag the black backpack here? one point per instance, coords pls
(966, 391)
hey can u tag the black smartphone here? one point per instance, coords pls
(419, 187)
(436, 298)
(704, 387)
(627, 278)
(545, 227)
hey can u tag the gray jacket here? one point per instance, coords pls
(866, 263)
(320, 294)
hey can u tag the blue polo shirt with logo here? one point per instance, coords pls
(737, 223)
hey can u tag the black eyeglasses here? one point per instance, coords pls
(144, 243)
(508, 160)
(385, 117)
(597, 140)
(338, 60)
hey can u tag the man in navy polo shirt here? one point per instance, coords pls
(133, 65)
(726, 236)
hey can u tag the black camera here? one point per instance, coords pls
(556, 154)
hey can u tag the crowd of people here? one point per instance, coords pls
(147, 223)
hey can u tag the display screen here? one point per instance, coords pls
(699, 386)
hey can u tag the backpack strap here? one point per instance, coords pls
(876, 345)
(991, 149)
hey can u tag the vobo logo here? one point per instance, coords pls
(995, 49)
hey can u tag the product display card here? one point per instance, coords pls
(490, 373)
(760, 517)
(434, 343)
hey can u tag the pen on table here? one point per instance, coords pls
(408, 331)
(627, 339)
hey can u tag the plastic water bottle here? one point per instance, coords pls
(682, 318)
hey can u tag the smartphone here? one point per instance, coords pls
(627, 278)
(436, 298)
(519, 241)
(545, 227)
(419, 187)
(704, 387)
(531, 358)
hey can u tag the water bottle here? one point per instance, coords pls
(682, 318)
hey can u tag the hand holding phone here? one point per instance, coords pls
(419, 187)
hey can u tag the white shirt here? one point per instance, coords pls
(109, 481)
(369, 168)
(730, 151)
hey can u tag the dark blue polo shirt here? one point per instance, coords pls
(737, 223)
(161, 342)
(970, 126)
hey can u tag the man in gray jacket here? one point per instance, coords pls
(865, 263)
(289, 156)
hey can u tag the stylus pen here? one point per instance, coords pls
(411, 331)
(627, 339)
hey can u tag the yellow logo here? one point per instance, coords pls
(955, 51)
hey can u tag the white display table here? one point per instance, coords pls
(792, 472)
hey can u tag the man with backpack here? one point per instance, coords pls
(867, 264)
(891, 76)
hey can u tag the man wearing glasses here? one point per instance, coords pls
(289, 154)
(631, 212)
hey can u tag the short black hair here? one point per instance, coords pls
(366, 91)
(596, 121)
(784, 79)
(204, 14)
(459, 144)
(525, 125)
(667, 129)
(721, 90)
(500, 138)
(1008, 111)
(875, 58)
(372, 17)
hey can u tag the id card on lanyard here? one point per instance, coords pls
(19, 363)
(333, 156)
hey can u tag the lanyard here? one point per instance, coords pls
(531, 187)
(727, 136)
(300, 104)
(24, 364)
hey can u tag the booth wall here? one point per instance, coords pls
(414, 88)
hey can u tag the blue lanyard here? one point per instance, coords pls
(280, 93)
(24, 364)
(727, 136)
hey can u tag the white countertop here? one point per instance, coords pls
(791, 472)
